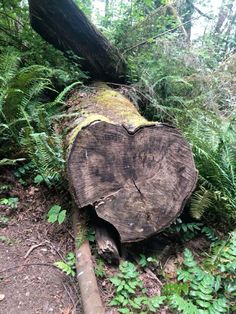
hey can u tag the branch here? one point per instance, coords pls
(159, 35)
(12, 18)
(198, 10)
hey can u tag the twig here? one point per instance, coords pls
(33, 247)
(69, 295)
(159, 35)
(72, 236)
(73, 311)
(199, 11)
(52, 246)
(153, 276)
(26, 265)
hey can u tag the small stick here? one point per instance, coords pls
(69, 295)
(33, 247)
(25, 265)
(153, 276)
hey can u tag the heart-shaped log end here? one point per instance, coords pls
(138, 182)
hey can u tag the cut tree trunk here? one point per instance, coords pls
(137, 174)
(64, 25)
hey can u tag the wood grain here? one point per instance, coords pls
(138, 181)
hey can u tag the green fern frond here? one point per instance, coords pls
(9, 66)
(46, 154)
(66, 90)
(200, 202)
(183, 306)
(219, 306)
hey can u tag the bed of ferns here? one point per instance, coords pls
(29, 110)
(206, 285)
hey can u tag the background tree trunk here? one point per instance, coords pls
(137, 174)
(64, 25)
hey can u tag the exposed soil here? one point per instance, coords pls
(29, 246)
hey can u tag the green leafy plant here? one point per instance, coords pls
(100, 268)
(11, 202)
(187, 231)
(56, 214)
(23, 172)
(208, 292)
(128, 285)
(90, 235)
(144, 261)
(4, 220)
(28, 119)
(5, 239)
(68, 265)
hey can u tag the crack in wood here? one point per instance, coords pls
(141, 194)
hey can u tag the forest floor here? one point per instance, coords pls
(29, 246)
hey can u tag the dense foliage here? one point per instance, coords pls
(207, 287)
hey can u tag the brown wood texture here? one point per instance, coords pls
(106, 244)
(89, 291)
(62, 24)
(137, 175)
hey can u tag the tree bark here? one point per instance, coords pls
(106, 244)
(137, 174)
(64, 25)
(89, 291)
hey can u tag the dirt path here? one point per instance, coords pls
(42, 288)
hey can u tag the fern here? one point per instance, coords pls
(26, 122)
(219, 306)
(211, 286)
(183, 306)
(46, 154)
(224, 255)
(200, 201)
(210, 234)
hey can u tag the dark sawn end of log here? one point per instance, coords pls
(138, 181)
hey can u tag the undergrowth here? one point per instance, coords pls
(207, 286)
(27, 119)
(174, 85)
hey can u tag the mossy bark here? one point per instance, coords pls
(137, 174)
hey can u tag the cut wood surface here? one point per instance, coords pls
(64, 25)
(137, 174)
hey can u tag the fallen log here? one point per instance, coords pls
(137, 174)
(62, 24)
